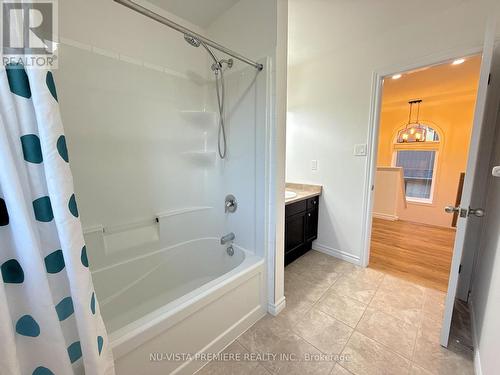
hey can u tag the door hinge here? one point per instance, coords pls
(460, 269)
(489, 79)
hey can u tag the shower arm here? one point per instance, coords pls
(165, 21)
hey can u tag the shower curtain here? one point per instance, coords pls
(49, 316)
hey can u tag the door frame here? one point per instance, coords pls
(374, 127)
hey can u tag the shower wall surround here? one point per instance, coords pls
(140, 112)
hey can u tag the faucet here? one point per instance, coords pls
(230, 204)
(227, 238)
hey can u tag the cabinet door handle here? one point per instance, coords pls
(309, 215)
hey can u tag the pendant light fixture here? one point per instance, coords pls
(414, 131)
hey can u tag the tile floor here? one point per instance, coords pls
(348, 320)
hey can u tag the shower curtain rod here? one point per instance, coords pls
(165, 21)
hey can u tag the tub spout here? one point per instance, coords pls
(227, 238)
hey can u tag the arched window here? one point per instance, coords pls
(419, 162)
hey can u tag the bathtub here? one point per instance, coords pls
(186, 300)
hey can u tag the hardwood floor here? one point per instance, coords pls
(417, 252)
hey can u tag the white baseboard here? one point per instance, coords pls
(386, 216)
(337, 253)
(475, 342)
(275, 308)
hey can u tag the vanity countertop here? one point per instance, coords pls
(303, 191)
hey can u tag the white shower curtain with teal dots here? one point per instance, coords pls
(49, 317)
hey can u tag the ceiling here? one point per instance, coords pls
(434, 83)
(199, 12)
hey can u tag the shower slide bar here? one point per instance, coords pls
(165, 21)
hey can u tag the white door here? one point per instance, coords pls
(465, 210)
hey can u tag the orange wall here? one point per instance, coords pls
(453, 118)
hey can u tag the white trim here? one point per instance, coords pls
(275, 308)
(371, 165)
(337, 253)
(277, 161)
(475, 342)
(477, 363)
(270, 208)
(374, 125)
(423, 201)
(385, 216)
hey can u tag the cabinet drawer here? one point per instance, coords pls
(312, 203)
(295, 208)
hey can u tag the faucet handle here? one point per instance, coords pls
(230, 204)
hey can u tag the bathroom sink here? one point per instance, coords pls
(290, 194)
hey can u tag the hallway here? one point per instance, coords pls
(412, 251)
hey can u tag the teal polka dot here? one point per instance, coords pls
(65, 308)
(18, 80)
(72, 206)
(32, 150)
(4, 214)
(51, 84)
(27, 326)
(62, 149)
(75, 352)
(83, 257)
(100, 343)
(54, 262)
(42, 371)
(12, 272)
(43, 209)
(92, 303)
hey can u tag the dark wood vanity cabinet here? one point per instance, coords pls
(301, 227)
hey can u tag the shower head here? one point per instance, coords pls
(195, 42)
(192, 40)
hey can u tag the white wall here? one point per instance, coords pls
(335, 47)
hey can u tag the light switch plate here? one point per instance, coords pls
(360, 149)
(314, 165)
(496, 171)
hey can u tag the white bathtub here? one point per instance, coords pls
(189, 299)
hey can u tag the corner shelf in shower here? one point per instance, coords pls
(201, 119)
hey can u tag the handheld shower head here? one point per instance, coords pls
(192, 40)
(195, 42)
(218, 70)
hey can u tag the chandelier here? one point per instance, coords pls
(413, 131)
